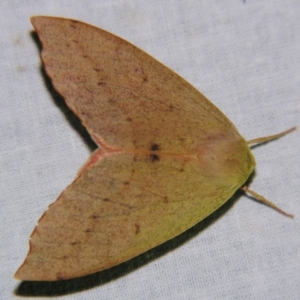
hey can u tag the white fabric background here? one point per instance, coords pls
(245, 56)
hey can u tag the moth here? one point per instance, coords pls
(166, 158)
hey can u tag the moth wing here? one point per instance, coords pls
(122, 95)
(117, 209)
(167, 159)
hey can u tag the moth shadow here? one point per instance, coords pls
(65, 287)
(58, 100)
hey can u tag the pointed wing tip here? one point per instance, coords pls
(33, 270)
(21, 274)
(26, 273)
(35, 19)
(17, 275)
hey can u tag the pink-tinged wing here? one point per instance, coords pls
(167, 159)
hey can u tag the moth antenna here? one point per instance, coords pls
(266, 202)
(252, 193)
(270, 137)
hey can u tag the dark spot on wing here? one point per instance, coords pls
(112, 101)
(73, 24)
(155, 147)
(126, 185)
(74, 243)
(95, 217)
(154, 157)
(137, 228)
